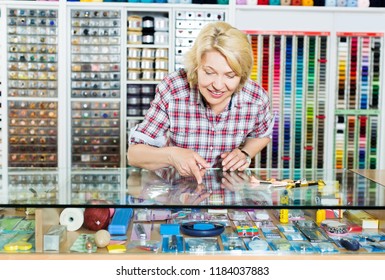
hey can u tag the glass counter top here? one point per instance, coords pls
(139, 188)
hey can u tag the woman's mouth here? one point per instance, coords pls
(216, 94)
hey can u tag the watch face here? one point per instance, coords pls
(248, 159)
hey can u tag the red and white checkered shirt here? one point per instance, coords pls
(178, 117)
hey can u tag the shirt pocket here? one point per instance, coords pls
(184, 138)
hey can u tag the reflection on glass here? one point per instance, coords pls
(128, 187)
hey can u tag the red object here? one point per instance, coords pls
(96, 218)
(296, 2)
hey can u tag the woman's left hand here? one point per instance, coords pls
(234, 160)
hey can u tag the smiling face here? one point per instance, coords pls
(216, 81)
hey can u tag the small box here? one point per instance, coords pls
(362, 218)
(169, 229)
(55, 235)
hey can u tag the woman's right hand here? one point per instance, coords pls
(188, 163)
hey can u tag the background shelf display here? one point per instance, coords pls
(188, 23)
(357, 97)
(105, 186)
(329, 144)
(29, 186)
(321, 66)
(148, 45)
(95, 87)
(291, 66)
(32, 75)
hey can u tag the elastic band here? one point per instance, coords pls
(202, 229)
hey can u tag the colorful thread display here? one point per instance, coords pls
(357, 98)
(291, 66)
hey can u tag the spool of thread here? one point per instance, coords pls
(72, 218)
(96, 218)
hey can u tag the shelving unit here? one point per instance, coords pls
(312, 129)
(99, 90)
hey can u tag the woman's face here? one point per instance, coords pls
(216, 81)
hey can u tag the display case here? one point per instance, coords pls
(259, 213)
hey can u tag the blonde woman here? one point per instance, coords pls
(209, 114)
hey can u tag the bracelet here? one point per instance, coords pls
(248, 157)
(245, 153)
(202, 229)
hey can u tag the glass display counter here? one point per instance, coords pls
(257, 213)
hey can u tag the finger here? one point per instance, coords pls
(225, 154)
(227, 157)
(245, 177)
(244, 167)
(225, 184)
(201, 198)
(229, 181)
(235, 163)
(229, 163)
(201, 162)
(232, 177)
(200, 188)
(196, 172)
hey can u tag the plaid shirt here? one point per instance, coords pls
(179, 117)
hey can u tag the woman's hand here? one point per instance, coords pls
(194, 197)
(234, 160)
(234, 181)
(188, 163)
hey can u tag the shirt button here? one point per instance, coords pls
(211, 148)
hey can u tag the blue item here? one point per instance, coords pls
(172, 243)
(350, 244)
(120, 221)
(169, 229)
(202, 229)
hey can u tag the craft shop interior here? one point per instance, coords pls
(76, 76)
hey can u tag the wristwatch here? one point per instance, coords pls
(248, 158)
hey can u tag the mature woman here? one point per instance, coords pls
(209, 114)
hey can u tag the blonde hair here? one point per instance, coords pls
(232, 43)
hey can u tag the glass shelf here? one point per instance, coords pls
(139, 188)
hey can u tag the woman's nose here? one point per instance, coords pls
(218, 82)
